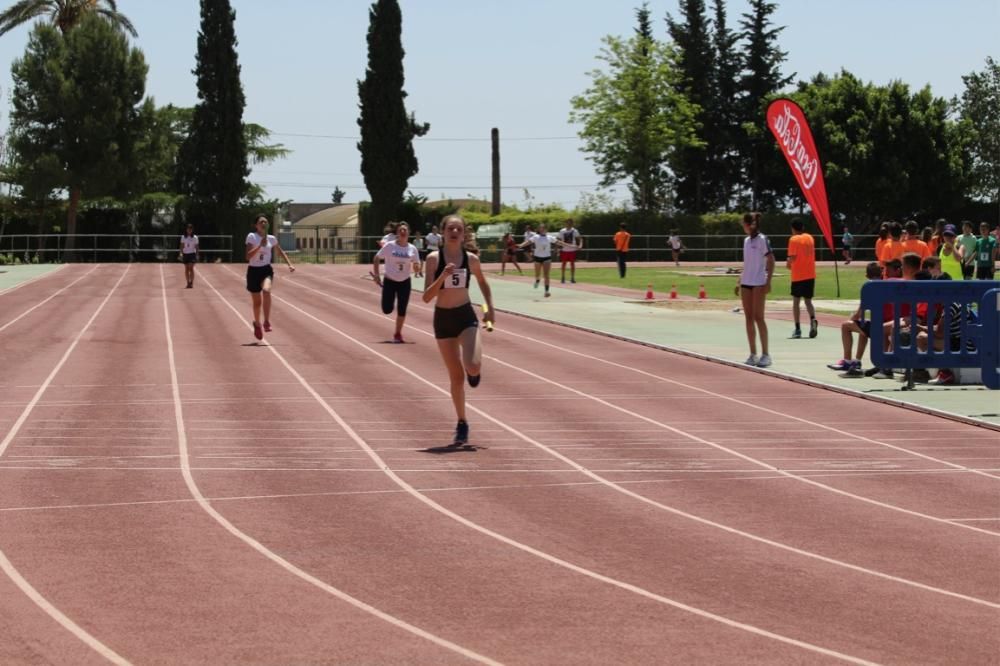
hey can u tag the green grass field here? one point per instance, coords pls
(718, 287)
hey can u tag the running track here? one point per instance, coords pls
(171, 493)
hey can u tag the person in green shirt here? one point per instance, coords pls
(967, 250)
(986, 253)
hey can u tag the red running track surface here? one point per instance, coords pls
(171, 492)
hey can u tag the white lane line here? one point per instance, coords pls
(5, 564)
(411, 490)
(32, 280)
(41, 303)
(688, 435)
(256, 545)
(673, 510)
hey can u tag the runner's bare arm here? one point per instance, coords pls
(484, 287)
(285, 257)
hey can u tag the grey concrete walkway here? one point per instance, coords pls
(711, 329)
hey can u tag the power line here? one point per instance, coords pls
(433, 187)
(424, 138)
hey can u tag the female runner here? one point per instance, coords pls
(400, 257)
(456, 326)
(260, 246)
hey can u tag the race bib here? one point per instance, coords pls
(456, 280)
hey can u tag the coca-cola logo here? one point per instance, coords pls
(789, 132)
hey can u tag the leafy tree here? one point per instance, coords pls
(213, 165)
(387, 157)
(338, 195)
(724, 110)
(634, 119)
(980, 113)
(761, 79)
(77, 113)
(695, 191)
(64, 14)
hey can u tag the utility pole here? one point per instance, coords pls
(495, 136)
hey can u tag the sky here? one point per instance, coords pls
(472, 65)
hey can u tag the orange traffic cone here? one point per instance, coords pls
(701, 292)
(649, 292)
(673, 291)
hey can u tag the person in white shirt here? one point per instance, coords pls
(542, 244)
(456, 326)
(400, 257)
(676, 246)
(755, 285)
(260, 248)
(529, 233)
(432, 241)
(189, 254)
(390, 233)
(572, 241)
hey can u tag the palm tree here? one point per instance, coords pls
(65, 14)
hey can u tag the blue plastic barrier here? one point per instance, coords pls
(937, 296)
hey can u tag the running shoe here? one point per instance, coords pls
(563, 280)
(573, 281)
(813, 328)
(267, 326)
(397, 338)
(944, 378)
(854, 371)
(258, 332)
(842, 364)
(547, 294)
(751, 359)
(871, 372)
(883, 373)
(474, 379)
(461, 434)
(536, 284)
(764, 361)
(796, 334)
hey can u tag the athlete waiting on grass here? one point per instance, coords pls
(400, 257)
(456, 326)
(802, 263)
(260, 246)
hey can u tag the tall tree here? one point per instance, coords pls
(387, 157)
(634, 119)
(761, 79)
(724, 109)
(77, 113)
(64, 14)
(696, 191)
(980, 112)
(213, 165)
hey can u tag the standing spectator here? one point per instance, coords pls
(432, 241)
(893, 246)
(847, 245)
(802, 263)
(529, 233)
(883, 237)
(986, 253)
(937, 236)
(572, 241)
(390, 233)
(418, 242)
(754, 286)
(509, 253)
(967, 245)
(676, 246)
(952, 263)
(913, 243)
(622, 238)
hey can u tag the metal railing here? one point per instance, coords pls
(48, 248)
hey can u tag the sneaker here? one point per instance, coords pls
(267, 326)
(842, 364)
(474, 379)
(764, 361)
(563, 280)
(796, 334)
(871, 372)
(882, 373)
(573, 280)
(397, 338)
(813, 328)
(461, 434)
(536, 284)
(853, 372)
(921, 375)
(547, 294)
(751, 360)
(945, 377)
(258, 332)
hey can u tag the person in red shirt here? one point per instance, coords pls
(802, 263)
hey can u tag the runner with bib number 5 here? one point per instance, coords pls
(456, 326)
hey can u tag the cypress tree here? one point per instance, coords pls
(212, 164)
(387, 157)
(725, 108)
(695, 190)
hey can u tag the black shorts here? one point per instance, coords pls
(865, 326)
(255, 277)
(968, 271)
(984, 272)
(396, 293)
(542, 260)
(451, 322)
(804, 288)
(190, 257)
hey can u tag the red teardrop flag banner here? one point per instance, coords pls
(788, 124)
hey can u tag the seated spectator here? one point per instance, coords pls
(949, 328)
(851, 365)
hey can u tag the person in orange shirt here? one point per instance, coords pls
(893, 246)
(622, 239)
(913, 243)
(802, 263)
(883, 236)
